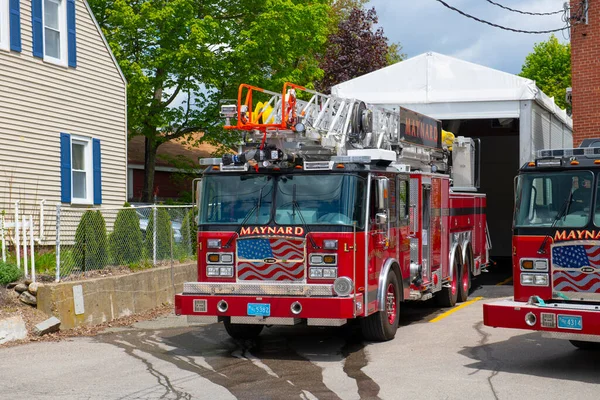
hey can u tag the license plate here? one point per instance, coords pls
(259, 309)
(570, 322)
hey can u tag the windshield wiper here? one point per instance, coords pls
(564, 210)
(246, 218)
(295, 206)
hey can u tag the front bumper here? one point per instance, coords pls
(546, 318)
(319, 306)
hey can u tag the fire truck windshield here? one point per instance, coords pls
(561, 199)
(333, 199)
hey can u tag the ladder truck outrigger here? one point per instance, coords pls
(556, 248)
(333, 211)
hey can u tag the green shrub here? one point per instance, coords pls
(90, 250)
(125, 242)
(45, 263)
(189, 230)
(9, 273)
(163, 235)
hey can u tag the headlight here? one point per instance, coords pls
(316, 259)
(212, 271)
(320, 259)
(219, 258)
(316, 273)
(534, 279)
(541, 265)
(536, 264)
(226, 271)
(330, 273)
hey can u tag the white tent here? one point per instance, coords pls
(447, 88)
(471, 95)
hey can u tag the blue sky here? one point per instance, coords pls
(426, 25)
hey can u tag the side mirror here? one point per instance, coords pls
(196, 191)
(383, 186)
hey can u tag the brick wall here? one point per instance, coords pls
(585, 66)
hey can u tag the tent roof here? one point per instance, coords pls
(432, 79)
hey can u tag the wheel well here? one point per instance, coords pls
(395, 267)
(455, 252)
(468, 255)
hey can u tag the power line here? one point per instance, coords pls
(499, 26)
(524, 12)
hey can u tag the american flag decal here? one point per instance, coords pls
(270, 259)
(576, 267)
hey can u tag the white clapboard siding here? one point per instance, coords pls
(40, 100)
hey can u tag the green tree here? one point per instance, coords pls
(163, 235)
(90, 250)
(549, 65)
(189, 230)
(200, 51)
(125, 242)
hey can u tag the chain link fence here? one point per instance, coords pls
(91, 240)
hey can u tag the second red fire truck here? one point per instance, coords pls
(333, 211)
(556, 248)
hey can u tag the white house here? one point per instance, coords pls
(63, 108)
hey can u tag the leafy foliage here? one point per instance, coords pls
(355, 49)
(163, 235)
(9, 273)
(91, 246)
(189, 229)
(549, 65)
(125, 242)
(181, 57)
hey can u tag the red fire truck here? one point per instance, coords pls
(556, 248)
(333, 211)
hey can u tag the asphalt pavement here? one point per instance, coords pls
(437, 354)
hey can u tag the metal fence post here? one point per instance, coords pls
(58, 242)
(24, 226)
(154, 215)
(31, 248)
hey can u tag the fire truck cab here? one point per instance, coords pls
(332, 211)
(556, 248)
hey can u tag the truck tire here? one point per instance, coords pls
(465, 280)
(448, 296)
(595, 346)
(243, 331)
(382, 325)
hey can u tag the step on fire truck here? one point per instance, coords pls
(333, 211)
(556, 248)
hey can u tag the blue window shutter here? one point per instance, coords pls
(96, 157)
(71, 37)
(38, 28)
(15, 25)
(65, 167)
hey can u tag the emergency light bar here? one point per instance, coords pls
(592, 152)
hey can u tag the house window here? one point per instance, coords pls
(4, 28)
(55, 31)
(81, 169)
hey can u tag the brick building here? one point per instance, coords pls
(585, 67)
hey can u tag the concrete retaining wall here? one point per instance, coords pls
(105, 299)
